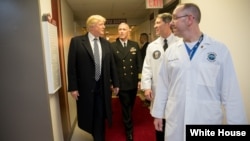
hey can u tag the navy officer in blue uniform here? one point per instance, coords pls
(128, 61)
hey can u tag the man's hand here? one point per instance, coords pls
(158, 124)
(139, 85)
(74, 94)
(116, 90)
(148, 94)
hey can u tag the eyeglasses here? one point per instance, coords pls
(176, 18)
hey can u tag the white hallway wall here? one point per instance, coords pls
(69, 31)
(45, 7)
(68, 26)
(228, 21)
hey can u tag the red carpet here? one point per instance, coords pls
(143, 123)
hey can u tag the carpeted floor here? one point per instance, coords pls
(143, 123)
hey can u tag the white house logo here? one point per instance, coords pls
(211, 57)
(156, 54)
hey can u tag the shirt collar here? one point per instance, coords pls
(122, 42)
(92, 37)
(169, 38)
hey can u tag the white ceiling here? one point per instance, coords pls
(134, 11)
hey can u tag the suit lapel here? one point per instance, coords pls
(103, 48)
(127, 49)
(87, 45)
(122, 50)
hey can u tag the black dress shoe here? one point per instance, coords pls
(130, 137)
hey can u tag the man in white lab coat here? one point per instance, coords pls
(196, 79)
(153, 59)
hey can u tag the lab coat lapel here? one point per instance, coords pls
(203, 46)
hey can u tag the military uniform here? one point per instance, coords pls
(129, 65)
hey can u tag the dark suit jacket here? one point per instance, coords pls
(128, 62)
(81, 77)
(143, 50)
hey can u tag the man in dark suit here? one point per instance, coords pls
(144, 42)
(91, 91)
(128, 61)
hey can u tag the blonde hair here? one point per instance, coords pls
(94, 19)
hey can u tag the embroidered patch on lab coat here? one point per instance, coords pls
(211, 57)
(156, 54)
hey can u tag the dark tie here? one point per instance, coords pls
(124, 45)
(97, 60)
(165, 46)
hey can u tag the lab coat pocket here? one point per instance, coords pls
(208, 74)
(207, 112)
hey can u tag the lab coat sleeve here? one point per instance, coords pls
(231, 95)
(146, 80)
(161, 95)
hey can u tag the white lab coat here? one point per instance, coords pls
(194, 92)
(152, 61)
